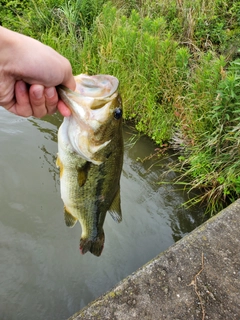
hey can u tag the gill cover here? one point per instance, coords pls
(93, 106)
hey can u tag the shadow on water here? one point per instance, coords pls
(49, 134)
(42, 274)
(155, 169)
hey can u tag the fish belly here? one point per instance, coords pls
(78, 192)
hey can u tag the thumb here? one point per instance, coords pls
(68, 80)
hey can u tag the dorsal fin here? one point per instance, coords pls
(115, 208)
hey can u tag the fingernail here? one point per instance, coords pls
(22, 86)
(50, 92)
(38, 93)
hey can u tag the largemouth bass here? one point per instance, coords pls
(90, 156)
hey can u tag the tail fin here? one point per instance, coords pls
(95, 246)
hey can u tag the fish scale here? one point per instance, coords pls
(90, 157)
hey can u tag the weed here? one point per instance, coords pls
(213, 163)
(178, 66)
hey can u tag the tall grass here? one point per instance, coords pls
(177, 62)
(213, 163)
(149, 63)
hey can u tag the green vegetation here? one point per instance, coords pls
(179, 68)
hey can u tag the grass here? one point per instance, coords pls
(178, 66)
(213, 163)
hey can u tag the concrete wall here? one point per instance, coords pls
(196, 278)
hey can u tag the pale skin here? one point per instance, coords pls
(29, 74)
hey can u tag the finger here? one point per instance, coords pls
(70, 83)
(7, 93)
(22, 106)
(37, 100)
(63, 109)
(51, 99)
(68, 80)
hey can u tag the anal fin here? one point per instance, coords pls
(69, 219)
(115, 208)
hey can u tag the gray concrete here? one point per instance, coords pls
(196, 278)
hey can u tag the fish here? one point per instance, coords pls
(90, 156)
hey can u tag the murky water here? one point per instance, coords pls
(42, 273)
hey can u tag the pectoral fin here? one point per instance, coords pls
(115, 209)
(69, 219)
(83, 173)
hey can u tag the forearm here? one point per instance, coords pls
(29, 73)
(25, 58)
(29, 59)
(7, 38)
(9, 41)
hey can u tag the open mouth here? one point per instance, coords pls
(98, 86)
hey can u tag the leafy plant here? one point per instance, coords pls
(214, 163)
(178, 66)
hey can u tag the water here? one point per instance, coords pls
(42, 273)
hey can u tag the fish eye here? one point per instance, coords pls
(117, 113)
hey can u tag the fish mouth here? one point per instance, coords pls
(98, 86)
(92, 92)
(92, 107)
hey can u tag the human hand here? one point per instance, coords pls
(29, 73)
(36, 100)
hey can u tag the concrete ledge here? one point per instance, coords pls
(196, 278)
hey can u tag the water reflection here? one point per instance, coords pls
(49, 134)
(153, 169)
(42, 274)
